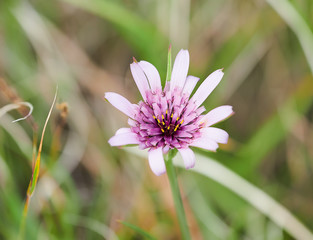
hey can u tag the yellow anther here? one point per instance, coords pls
(162, 116)
(172, 115)
(163, 122)
(168, 128)
(182, 121)
(162, 130)
(154, 117)
(176, 128)
(166, 112)
(158, 120)
(177, 118)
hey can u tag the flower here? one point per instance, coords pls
(170, 118)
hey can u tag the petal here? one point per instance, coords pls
(123, 130)
(205, 143)
(207, 87)
(140, 79)
(217, 114)
(152, 74)
(124, 139)
(156, 161)
(120, 103)
(190, 84)
(216, 134)
(188, 157)
(180, 70)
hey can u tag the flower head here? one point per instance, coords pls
(170, 118)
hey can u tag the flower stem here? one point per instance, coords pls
(176, 195)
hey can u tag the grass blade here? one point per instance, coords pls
(138, 230)
(35, 174)
(13, 106)
(169, 64)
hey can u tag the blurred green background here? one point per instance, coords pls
(86, 188)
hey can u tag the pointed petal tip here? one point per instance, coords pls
(156, 161)
(180, 69)
(185, 51)
(159, 173)
(188, 157)
(123, 138)
(110, 142)
(121, 103)
(104, 98)
(231, 110)
(191, 166)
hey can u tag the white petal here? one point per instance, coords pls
(216, 134)
(140, 79)
(152, 74)
(217, 114)
(207, 87)
(180, 69)
(120, 103)
(156, 161)
(123, 130)
(188, 157)
(190, 84)
(124, 139)
(205, 143)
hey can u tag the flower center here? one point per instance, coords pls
(166, 119)
(166, 123)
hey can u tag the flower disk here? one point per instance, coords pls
(166, 119)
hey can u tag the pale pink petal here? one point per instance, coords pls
(216, 134)
(120, 103)
(190, 84)
(152, 74)
(207, 87)
(188, 157)
(205, 143)
(156, 161)
(123, 130)
(180, 70)
(216, 115)
(140, 79)
(124, 139)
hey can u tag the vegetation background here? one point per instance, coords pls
(255, 187)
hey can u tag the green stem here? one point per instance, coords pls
(176, 195)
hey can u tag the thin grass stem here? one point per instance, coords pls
(176, 195)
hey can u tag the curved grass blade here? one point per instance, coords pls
(13, 106)
(138, 230)
(35, 173)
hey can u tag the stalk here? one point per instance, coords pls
(171, 173)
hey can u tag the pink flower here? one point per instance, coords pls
(170, 118)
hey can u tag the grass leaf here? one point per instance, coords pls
(13, 106)
(35, 174)
(138, 230)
